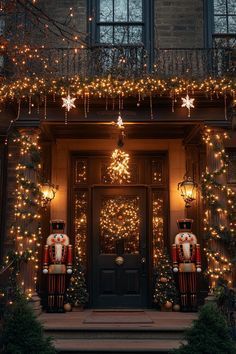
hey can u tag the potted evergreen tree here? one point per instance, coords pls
(165, 291)
(77, 293)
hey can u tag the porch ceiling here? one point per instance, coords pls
(108, 130)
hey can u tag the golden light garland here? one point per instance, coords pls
(220, 219)
(26, 229)
(119, 169)
(109, 87)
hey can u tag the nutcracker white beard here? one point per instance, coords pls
(58, 241)
(186, 239)
(58, 252)
(186, 250)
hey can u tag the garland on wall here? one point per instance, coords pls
(36, 92)
(25, 230)
(28, 87)
(220, 212)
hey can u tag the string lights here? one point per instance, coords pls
(120, 220)
(119, 170)
(26, 229)
(220, 215)
(111, 87)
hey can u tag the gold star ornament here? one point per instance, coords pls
(188, 103)
(68, 102)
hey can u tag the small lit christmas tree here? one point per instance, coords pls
(165, 291)
(77, 293)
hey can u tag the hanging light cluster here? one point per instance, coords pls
(119, 169)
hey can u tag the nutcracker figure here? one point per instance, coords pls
(187, 262)
(57, 263)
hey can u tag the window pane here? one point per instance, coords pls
(106, 34)
(135, 34)
(135, 10)
(106, 11)
(219, 7)
(120, 11)
(232, 7)
(232, 24)
(120, 35)
(220, 24)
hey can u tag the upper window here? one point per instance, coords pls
(225, 16)
(120, 22)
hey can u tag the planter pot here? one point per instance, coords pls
(164, 309)
(78, 308)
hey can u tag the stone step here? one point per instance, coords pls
(111, 333)
(110, 346)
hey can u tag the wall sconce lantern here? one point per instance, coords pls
(188, 190)
(48, 193)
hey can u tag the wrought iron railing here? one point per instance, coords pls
(123, 61)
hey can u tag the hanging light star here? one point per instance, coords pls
(188, 103)
(68, 102)
(119, 168)
(120, 122)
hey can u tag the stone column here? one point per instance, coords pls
(217, 218)
(29, 270)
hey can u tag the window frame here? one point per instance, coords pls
(209, 20)
(148, 26)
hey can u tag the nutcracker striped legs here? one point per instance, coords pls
(188, 288)
(56, 290)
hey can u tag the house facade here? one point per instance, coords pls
(140, 60)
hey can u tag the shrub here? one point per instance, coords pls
(22, 332)
(209, 334)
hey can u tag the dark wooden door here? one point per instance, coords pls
(119, 247)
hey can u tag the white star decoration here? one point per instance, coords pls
(120, 122)
(68, 102)
(188, 103)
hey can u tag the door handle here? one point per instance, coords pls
(119, 260)
(143, 260)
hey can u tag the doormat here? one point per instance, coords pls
(115, 317)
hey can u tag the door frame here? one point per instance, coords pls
(164, 189)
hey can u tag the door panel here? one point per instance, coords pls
(119, 247)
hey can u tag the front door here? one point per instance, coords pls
(119, 263)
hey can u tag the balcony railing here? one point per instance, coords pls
(124, 61)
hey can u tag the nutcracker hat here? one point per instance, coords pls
(57, 224)
(185, 224)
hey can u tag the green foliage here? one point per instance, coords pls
(164, 288)
(77, 293)
(22, 332)
(219, 199)
(226, 302)
(209, 334)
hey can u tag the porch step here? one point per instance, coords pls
(126, 332)
(118, 334)
(110, 346)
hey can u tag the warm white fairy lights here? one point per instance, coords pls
(119, 169)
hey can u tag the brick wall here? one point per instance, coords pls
(178, 24)
(58, 10)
